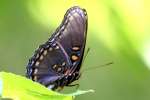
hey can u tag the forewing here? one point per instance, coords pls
(71, 34)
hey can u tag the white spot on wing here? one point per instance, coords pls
(37, 63)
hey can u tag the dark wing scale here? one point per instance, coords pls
(73, 32)
(56, 57)
(42, 68)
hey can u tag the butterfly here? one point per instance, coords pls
(57, 62)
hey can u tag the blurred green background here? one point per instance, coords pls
(118, 31)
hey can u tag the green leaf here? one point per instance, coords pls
(79, 92)
(1, 86)
(20, 88)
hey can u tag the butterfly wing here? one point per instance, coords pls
(72, 35)
(62, 52)
(47, 65)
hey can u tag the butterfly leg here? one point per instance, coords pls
(71, 85)
(59, 89)
(76, 77)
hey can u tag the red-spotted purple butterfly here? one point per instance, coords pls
(57, 62)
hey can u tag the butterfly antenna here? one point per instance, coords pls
(91, 68)
(86, 54)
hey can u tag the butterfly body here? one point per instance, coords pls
(57, 62)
